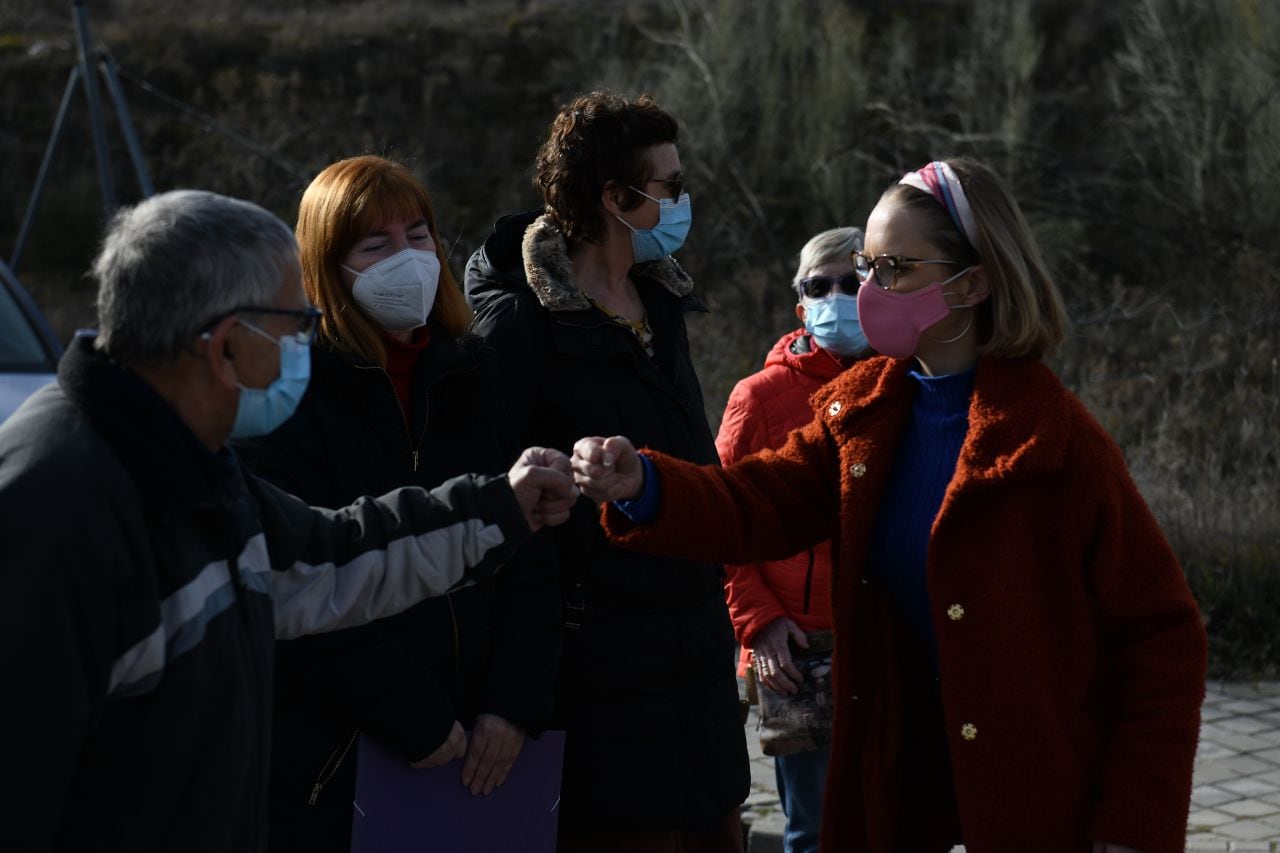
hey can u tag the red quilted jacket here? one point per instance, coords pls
(1071, 654)
(762, 410)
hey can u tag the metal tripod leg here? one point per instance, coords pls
(96, 123)
(108, 66)
(43, 174)
(82, 73)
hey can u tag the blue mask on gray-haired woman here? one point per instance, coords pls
(833, 322)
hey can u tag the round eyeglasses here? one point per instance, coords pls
(885, 269)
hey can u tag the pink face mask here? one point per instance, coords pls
(894, 322)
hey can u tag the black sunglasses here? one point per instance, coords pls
(675, 186)
(818, 286)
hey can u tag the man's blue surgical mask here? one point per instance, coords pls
(674, 218)
(833, 322)
(261, 410)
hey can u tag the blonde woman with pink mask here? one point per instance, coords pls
(1019, 663)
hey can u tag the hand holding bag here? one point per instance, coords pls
(800, 721)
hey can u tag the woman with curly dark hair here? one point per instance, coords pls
(587, 308)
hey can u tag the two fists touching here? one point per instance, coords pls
(547, 483)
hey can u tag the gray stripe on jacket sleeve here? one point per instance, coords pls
(311, 598)
(185, 615)
(133, 669)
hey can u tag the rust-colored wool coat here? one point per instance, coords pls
(1071, 654)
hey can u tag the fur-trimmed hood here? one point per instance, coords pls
(543, 264)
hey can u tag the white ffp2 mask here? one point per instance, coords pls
(397, 292)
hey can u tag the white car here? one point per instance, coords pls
(29, 352)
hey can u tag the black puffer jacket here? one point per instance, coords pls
(491, 648)
(646, 688)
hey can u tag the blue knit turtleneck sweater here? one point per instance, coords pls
(922, 469)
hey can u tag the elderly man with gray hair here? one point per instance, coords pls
(146, 574)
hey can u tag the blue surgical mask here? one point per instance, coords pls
(674, 218)
(833, 322)
(261, 410)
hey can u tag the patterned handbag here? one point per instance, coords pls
(800, 721)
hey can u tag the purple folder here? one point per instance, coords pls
(401, 810)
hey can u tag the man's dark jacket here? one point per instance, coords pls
(646, 690)
(490, 648)
(145, 579)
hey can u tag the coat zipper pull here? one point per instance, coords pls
(326, 773)
(415, 461)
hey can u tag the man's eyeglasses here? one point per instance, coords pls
(818, 286)
(308, 318)
(886, 268)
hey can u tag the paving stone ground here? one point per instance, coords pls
(1235, 801)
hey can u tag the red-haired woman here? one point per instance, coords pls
(399, 395)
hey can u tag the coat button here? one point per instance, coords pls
(969, 731)
(857, 469)
(834, 408)
(955, 612)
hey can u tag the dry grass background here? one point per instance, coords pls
(1142, 137)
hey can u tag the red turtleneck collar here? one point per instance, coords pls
(401, 358)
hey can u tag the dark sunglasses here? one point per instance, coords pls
(818, 286)
(675, 186)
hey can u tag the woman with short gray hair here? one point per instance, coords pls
(778, 605)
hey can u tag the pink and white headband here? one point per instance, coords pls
(939, 180)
